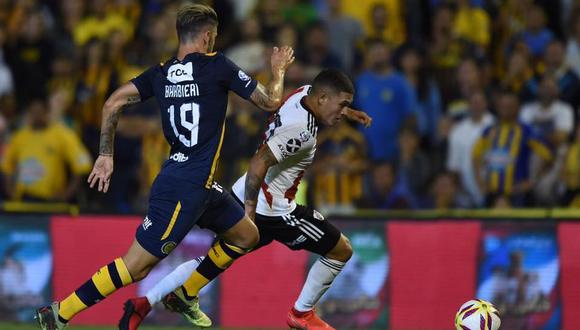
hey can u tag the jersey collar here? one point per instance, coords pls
(306, 107)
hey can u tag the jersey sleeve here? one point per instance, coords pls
(237, 80)
(289, 142)
(144, 83)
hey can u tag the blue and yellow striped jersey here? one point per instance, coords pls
(505, 149)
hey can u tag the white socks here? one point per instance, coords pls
(172, 280)
(320, 278)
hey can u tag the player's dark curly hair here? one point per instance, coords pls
(192, 18)
(334, 80)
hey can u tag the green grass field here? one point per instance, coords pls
(21, 326)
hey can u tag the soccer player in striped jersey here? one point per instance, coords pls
(191, 90)
(268, 190)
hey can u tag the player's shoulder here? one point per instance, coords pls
(294, 112)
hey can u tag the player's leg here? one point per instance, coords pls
(164, 227)
(136, 309)
(237, 236)
(132, 267)
(322, 275)
(306, 229)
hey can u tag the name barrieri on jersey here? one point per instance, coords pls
(188, 90)
(179, 73)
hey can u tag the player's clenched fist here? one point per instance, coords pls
(282, 58)
(101, 173)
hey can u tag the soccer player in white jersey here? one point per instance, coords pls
(268, 190)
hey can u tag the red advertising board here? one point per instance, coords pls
(433, 271)
(81, 245)
(259, 289)
(568, 235)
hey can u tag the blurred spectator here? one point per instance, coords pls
(44, 160)
(288, 36)
(382, 19)
(269, 13)
(159, 39)
(508, 22)
(316, 52)
(472, 24)
(345, 33)
(300, 13)
(63, 86)
(414, 171)
(412, 64)
(501, 157)
(536, 36)
(469, 78)
(417, 19)
(571, 172)
(551, 119)
(101, 21)
(248, 53)
(461, 141)
(98, 80)
(388, 98)
(518, 71)
(568, 81)
(76, 52)
(573, 47)
(29, 53)
(6, 82)
(445, 51)
(444, 194)
(382, 192)
(341, 159)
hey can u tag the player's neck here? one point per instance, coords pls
(310, 103)
(188, 48)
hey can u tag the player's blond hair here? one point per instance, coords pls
(192, 18)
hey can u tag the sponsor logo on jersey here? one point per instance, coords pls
(243, 76)
(293, 145)
(180, 72)
(179, 157)
(305, 136)
(318, 216)
(283, 151)
(147, 223)
(168, 247)
(299, 240)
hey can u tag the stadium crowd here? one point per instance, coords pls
(475, 103)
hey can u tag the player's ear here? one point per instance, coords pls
(206, 37)
(322, 98)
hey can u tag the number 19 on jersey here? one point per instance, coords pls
(192, 126)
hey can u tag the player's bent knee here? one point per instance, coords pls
(342, 251)
(347, 248)
(244, 234)
(139, 262)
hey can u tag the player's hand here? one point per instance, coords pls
(281, 59)
(101, 173)
(358, 116)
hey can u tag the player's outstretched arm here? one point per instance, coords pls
(357, 116)
(259, 165)
(103, 168)
(269, 98)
